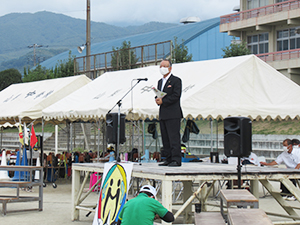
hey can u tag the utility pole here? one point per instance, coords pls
(88, 39)
(34, 56)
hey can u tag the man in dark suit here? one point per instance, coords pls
(170, 114)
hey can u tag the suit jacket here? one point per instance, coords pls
(170, 107)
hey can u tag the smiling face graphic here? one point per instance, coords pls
(112, 195)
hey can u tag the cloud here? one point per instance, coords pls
(126, 12)
(134, 11)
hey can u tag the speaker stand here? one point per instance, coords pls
(119, 103)
(239, 173)
(118, 131)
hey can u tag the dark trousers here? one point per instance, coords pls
(170, 134)
(284, 189)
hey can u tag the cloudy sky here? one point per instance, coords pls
(125, 12)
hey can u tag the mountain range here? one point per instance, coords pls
(52, 34)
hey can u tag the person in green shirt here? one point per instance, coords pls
(143, 209)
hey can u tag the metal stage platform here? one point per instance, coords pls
(198, 172)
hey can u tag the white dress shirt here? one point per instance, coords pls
(290, 160)
(164, 81)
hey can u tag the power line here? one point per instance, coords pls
(34, 55)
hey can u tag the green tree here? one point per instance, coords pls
(62, 69)
(180, 52)
(123, 58)
(236, 48)
(36, 74)
(8, 77)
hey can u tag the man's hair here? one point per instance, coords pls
(288, 141)
(295, 142)
(170, 63)
(147, 193)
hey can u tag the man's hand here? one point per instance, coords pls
(158, 101)
(273, 163)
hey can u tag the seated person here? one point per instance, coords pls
(296, 148)
(290, 160)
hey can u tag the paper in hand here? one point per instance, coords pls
(158, 93)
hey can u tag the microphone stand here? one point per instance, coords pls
(119, 103)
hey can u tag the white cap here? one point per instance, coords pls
(148, 188)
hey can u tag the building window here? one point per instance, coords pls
(259, 43)
(252, 4)
(287, 39)
(281, 1)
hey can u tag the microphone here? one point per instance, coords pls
(140, 79)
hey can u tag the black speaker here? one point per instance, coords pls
(112, 128)
(237, 136)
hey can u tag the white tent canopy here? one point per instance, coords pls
(26, 101)
(7, 124)
(238, 86)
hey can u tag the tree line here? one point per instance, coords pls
(62, 69)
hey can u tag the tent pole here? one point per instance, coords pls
(188, 143)
(71, 136)
(68, 136)
(98, 145)
(156, 140)
(131, 122)
(30, 148)
(20, 146)
(56, 139)
(132, 134)
(217, 135)
(211, 135)
(1, 137)
(42, 144)
(138, 138)
(94, 129)
(143, 139)
(83, 127)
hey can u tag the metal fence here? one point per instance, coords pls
(139, 56)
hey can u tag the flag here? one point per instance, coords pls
(21, 135)
(33, 139)
(26, 134)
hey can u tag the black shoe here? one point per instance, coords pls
(173, 164)
(165, 163)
